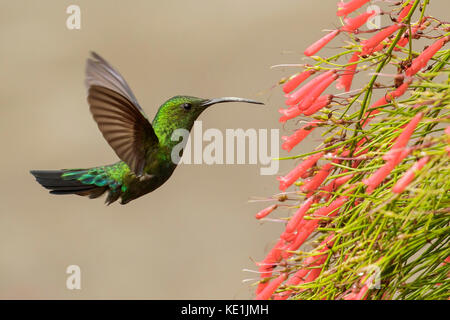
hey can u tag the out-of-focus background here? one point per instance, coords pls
(192, 237)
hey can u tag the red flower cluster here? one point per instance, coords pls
(325, 196)
(311, 89)
(311, 268)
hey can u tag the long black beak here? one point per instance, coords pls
(210, 102)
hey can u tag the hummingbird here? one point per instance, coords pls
(144, 148)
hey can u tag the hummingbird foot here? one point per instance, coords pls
(145, 177)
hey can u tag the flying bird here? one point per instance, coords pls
(144, 148)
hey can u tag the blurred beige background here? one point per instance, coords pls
(192, 237)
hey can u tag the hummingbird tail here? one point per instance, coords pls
(91, 182)
(67, 182)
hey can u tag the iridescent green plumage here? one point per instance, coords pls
(145, 149)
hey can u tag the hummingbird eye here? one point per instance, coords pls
(186, 106)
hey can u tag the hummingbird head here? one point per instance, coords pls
(180, 112)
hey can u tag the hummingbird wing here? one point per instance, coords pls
(100, 73)
(119, 117)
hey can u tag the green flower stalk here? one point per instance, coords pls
(372, 198)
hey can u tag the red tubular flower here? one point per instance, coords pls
(298, 216)
(358, 152)
(265, 212)
(404, 12)
(385, 100)
(274, 255)
(403, 138)
(288, 237)
(345, 81)
(311, 225)
(294, 139)
(297, 277)
(361, 295)
(342, 180)
(376, 178)
(379, 47)
(307, 174)
(399, 91)
(344, 154)
(271, 287)
(265, 272)
(362, 141)
(310, 98)
(447, 132)
(404, 181)
(283, 295)
(402, 42)
(294, 111)
(357, 295)
(316, 260)
(308, 227)
(351, 24)
(369, 45)
(295, 81)
(422, 60)
(292, 176)
(331, 210)
(346, 8)
(318, 179)
(371, 113)
(319, 44)
(405, 38)
(298, 95)
(350, 296)
(289, 113)
(320, 103)
(325, 191)
(267, 265)
(380, 102)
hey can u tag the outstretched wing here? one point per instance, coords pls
(118, 115)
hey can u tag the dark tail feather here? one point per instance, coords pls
(52, 180)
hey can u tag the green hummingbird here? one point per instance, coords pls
(144, 148)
